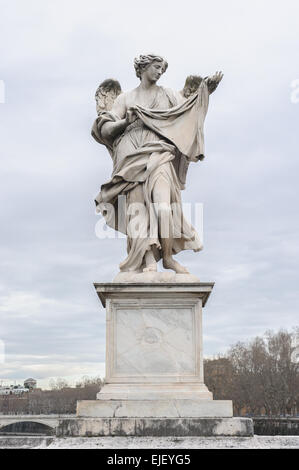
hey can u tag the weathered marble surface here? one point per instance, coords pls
(152, 134)
(154, 341)
(154, 365)
(122, 290)
(155, 408)
(158, 388)
(90, 427)
(155, 277)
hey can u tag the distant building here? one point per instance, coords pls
(30, 384)
(13, 390)
(19, 390)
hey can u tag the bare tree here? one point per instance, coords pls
(260, 376)
(265, 376)
(58, 384)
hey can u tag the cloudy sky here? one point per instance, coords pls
(53, 56)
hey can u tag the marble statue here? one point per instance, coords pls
(154, 377)
(152, 134)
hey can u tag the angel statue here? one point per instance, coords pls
(152, 134)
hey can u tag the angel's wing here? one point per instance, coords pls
(106, 94)
(193, 81)
(191, 85)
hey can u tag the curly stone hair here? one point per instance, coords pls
(143, 61)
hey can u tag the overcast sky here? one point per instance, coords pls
(53, 56)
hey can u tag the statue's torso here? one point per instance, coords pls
(160, 98)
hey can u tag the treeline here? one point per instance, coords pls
(61, 399)
(261, 376)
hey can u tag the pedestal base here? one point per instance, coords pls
(154, 366)
(155, 408)
(155, 427)
(158, 391)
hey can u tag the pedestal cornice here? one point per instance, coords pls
(107, 290)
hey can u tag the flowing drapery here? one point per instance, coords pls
(160, 143)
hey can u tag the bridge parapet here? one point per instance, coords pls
(48, 420)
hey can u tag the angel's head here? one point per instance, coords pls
(191, 85)
(153, 64)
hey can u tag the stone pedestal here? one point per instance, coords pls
(154, 341)
(154, 364)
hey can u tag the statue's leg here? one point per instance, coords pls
(161, 198)
(138, 244)
(150, 261)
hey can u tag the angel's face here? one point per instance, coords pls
(153, 71)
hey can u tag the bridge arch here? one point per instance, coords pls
(27, 427)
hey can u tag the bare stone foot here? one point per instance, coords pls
(170, 263)
(150, 267)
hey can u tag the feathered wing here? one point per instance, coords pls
(211, 83)
(106, 94)
(191, 86)
(193, 82)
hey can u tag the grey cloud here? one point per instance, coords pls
(52, 169)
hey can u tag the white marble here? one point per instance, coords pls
(154, 341)
(155, 408)
(155, 277)
(164, 388)
(172, 133)
(154, 359)
(149, 290)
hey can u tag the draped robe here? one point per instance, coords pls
(160, 143)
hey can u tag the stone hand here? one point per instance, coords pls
(217, 77)
(213, 81)
(131, 115)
